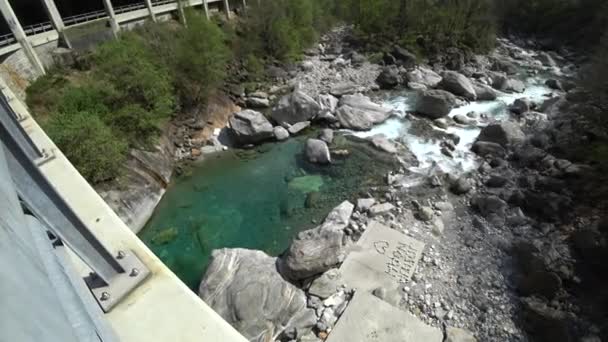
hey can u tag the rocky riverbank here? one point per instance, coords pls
(502, 240)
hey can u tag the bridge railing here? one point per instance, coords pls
(9, 38)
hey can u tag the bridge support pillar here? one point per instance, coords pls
(55, 16)
(227, 8)
(17, 30)
(206, 8)
(151, 10)
(113, 22)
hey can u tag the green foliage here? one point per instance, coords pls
(433, 25)
(281, 29)
(44, 94)
(577, 22)
(136, 75)
(88, 143)
(202, 56)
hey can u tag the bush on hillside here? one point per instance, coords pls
(202, 56)
(136, 75)
(88, 143)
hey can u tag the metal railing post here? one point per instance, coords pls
(17, 29)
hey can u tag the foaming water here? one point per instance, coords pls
(428, 150)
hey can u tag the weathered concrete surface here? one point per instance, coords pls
(368, 318)
(383, 257)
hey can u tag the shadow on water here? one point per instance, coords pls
(256, 199)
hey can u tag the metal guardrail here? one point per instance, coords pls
(9, 38)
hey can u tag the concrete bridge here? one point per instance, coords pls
(27, 39)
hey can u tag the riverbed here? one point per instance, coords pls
(258, 199)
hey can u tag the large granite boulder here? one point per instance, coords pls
(295, 107)
(504, 133)
(316, 250)
(250, 127)
(435, 104)
(317, 151)
(358, 112)
(458, 84)
(425, 76)
(484, 92)
(244, 287)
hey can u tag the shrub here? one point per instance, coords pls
(88, 143)
(135, 75)
(201, 60)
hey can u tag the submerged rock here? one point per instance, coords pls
(295, 107)
(244, 287)
(251, 127)
(435, 103)
(316, 250)
(358, 112)
(458, 84)
(317, 151)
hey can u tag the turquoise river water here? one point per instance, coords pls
(255, 199)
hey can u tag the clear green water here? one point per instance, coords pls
(254, 199)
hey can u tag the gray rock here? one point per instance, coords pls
(484, 92)
(363, 204)
(489, 204)
(416, 86)
(458, 335)
(546, 59)
(257, 102)
(260, 307)
(328, 102)
(485, 148)
(435, 103)
(424, 76)
(461, 186)
(381, 142)
(251, 127)
(425, 214)
(520, 106)
(458, 84)
(295, 107)
(543, 322)
(316, 250)
(404, 57)
(342, 89)
(308, 65)
(281, 133)
(505, 133)
(380, 209)
(327, 135)
(462, 119)
(358, 112)
(514, 86)
(389, 78)
(327, 284)
(298, 127)
(554, 84)
(317, 151)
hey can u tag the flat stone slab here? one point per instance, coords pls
(369, 319)
(383, 257)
